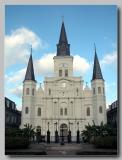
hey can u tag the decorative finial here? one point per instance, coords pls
(40, 84)
(31, 49)
(62, 18)
(94, 47)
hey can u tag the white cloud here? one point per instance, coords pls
(45, 65)
(80, 65)
(111, 86)
(23, 36)
(17, 91)
(107, 104)
(17, 77)
(109, 59)
(17, 45)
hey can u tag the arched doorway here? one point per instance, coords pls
(64, 131)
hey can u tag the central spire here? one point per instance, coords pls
(63, 48)
(63, 36)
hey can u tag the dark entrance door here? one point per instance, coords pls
(63, 132)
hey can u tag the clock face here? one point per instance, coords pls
(64, 65)
(63, 84)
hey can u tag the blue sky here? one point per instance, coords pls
(40, 26)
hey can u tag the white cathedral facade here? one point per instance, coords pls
(65, 103)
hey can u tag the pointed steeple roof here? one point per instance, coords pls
(63, 36)
(30, 71)
(97, 74)
(63, 48)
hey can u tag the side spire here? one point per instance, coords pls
(97, 74)
(30, 71)
(63, 48)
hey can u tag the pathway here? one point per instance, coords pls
(54, 149)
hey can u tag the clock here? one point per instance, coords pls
(63, 84)
(64, 65)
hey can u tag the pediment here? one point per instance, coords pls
(64, 80)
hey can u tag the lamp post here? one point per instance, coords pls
(38, 134)
(69, 126)
(62, 138)
(56, 134)
(56, 126)
(78, 125)
(48, 134)
(48, 126)
(78, 133)
(69, 134)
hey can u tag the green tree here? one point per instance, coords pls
(102, 130)
(28, 131)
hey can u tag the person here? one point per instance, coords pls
(83, 139)
(38, 137)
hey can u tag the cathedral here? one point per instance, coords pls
(64, 105)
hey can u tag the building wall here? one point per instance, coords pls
(12, 115)
(112, 114)
(63, 63)
(66, 93)
(99, 100)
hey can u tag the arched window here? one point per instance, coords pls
(12, 119)
(13, 106)
(99, 90)
(27, 91)
(60, 73)
(7, 118)
(103, 90)
(8, 103)
(26, 110)
(77, 91)
(33, 91)
(55, 108)
(61, 111)
(65, 111)
(39, 111)
(88, 111)
(93, 90)
(49, 91)
(100, 109)
(66, 72)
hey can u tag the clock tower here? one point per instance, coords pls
(63, 62)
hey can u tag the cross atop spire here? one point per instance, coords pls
(62, 18)
(30, 71)
(63, 48)
(94, 47)
(31, 49)
(97, 74)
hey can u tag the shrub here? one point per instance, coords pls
(106, 142)
(16, 142)
(13, 132)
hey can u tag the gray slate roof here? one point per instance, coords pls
(97, 74)
(63, 36)
(63, 48)
(30, 71)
